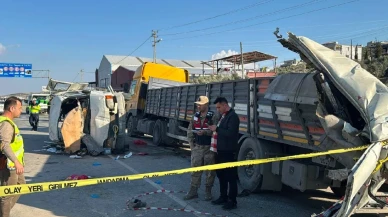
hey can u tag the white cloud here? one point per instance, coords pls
(2, 49)
(223, 53)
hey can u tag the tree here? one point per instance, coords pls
(215, 78)
(378, 50)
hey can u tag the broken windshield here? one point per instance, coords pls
(133, 86)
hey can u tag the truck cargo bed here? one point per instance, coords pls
(267, 107)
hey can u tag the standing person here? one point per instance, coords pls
(12, 153)
(34, 115)
(199, 137)
(225, 138)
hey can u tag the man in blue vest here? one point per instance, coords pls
(12, 153)
(199, 137)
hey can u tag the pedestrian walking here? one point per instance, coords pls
(224, 143)
(199, 137)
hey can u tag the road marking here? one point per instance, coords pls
(176, 199)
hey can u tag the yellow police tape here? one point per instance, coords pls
(49, 186)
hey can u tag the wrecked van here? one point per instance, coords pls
(94, 118)
(353, 109)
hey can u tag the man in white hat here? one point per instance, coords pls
(199, 137)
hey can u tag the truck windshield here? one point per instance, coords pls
(133, 85)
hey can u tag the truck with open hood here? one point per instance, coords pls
(353, 109)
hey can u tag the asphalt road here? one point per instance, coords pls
(110, 199)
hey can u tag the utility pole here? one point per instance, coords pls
(351, 49)
(242, 61)
(155, 36)
(81, 73)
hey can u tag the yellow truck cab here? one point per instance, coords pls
(149, 76)
(141, 78)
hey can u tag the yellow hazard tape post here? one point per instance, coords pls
(49, 186)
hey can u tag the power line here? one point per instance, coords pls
(220, 15)
(296, 27)
(256, 24)
(304, 27)
(340, 36)
(75, 77)
(378, 31)
(247, 19)
(134, 50)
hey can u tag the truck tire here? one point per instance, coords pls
(258, 177)
(119, 145)
(130, 126)
(159, 136)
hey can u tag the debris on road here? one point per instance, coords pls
(52, 150)
(94, 196)
(77, 177)
(136, 204)
(93, 148)
(139, 142)
(96, 164)
(75, 156)
(128, 155)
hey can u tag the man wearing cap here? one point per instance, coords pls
(199, 137)
(34, 115)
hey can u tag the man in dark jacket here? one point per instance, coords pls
(225, 138)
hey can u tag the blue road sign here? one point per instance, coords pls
(15, 70)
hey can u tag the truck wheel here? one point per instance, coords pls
(258, 177)
(120, 144)
(130, 126)
(157, 137)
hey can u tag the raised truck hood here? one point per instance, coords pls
(369, 96)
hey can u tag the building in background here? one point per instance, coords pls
(353, 52)
(371, 46)
(290, 63)
(121, 76)
(105, 75)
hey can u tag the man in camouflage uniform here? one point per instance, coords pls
(199, 137)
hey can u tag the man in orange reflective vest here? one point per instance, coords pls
(12, 153)
(199, 137)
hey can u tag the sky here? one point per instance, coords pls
(67, 36)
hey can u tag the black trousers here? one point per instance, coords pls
(228, 176)
(34, 120)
